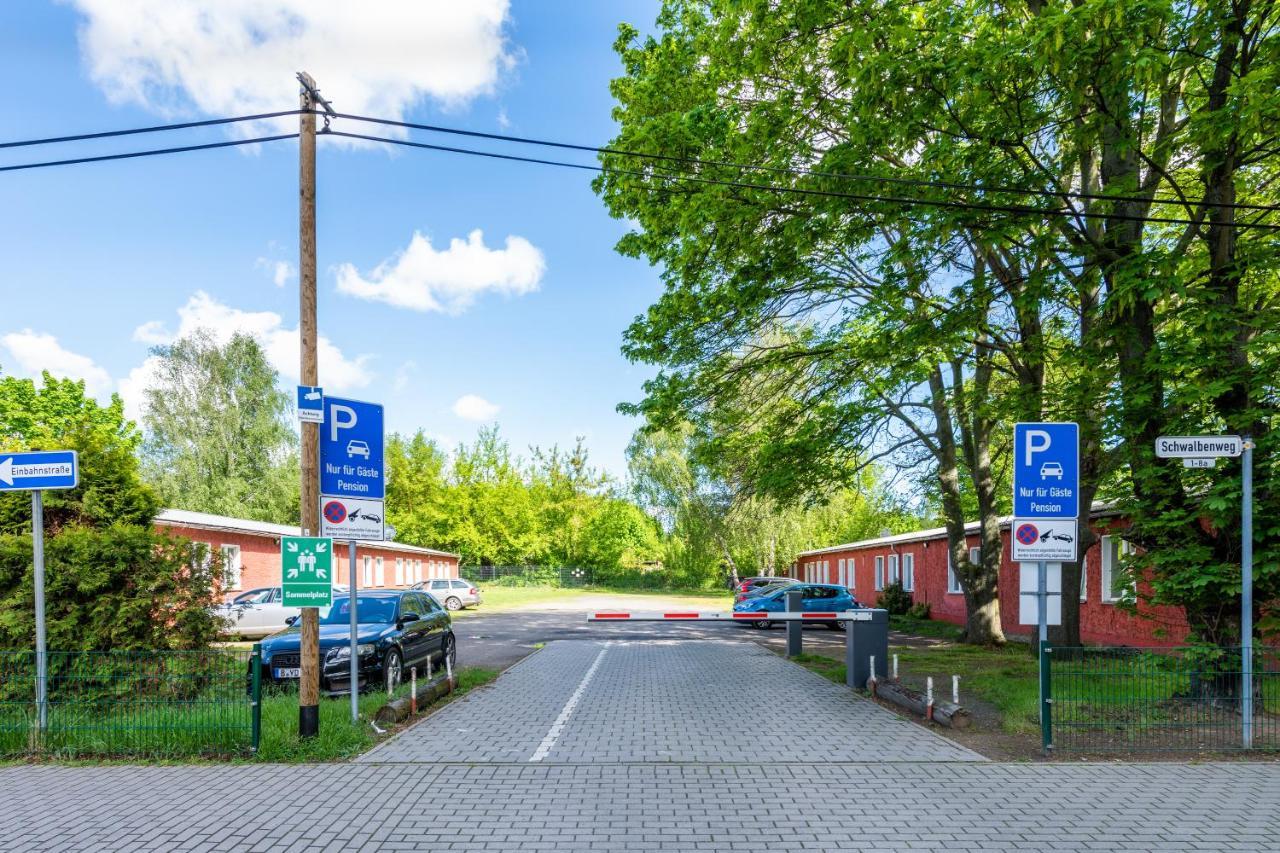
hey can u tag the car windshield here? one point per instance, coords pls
(370, 609)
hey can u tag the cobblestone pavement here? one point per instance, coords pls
(610, 725)
(656, 700)
(958, 806)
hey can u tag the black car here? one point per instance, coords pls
(397, 629)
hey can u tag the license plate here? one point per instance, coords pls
(289, 672)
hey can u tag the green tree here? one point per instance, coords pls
(57, 415)
(218, 438)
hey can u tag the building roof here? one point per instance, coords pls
(1101, 509)
(209, 521)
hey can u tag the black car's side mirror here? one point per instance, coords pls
(408, 617)
(290, 620)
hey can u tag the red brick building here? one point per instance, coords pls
(252, 553)
(921, 562)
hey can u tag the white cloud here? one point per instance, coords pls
(239, 56)
(425, 279)
(35, 352)
(337, 372)
(281, 271)
(471, 407)
(133, 388)
(404, 375)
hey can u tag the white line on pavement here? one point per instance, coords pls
(553, 734)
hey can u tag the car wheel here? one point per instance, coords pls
(762, 624)
(840, 625)
(392, 670)
(453, 603)
(449, 651)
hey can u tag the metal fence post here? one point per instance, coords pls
(255, 660)
(1246, 595)
(1046, 694)
(795, 627)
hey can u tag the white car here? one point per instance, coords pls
(258, 613)
(1051, 469)
(452, 594)
(356, 447)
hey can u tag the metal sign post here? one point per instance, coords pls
(1246, 598)
(42, 653)
(1202, 451)
(34, 472)
(1046, 504)
(354, 586)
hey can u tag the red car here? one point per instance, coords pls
(752, 586)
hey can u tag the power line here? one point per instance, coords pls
(151, 152)
(940, 203)
(800, 172)
(106, 134)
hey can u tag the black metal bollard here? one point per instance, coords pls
(862, 640)
(795, 627)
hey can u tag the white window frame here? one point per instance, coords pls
(1122, 549)
(879, 572)
(368, 570)
(232, 569)
(909, 572)
(379, 572)
(417, 571)
(1084, 580)
(894, 576)
(826, 571)
(840, 569)
(852, 575)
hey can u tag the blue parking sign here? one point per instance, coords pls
(351, 463)
(1046, 470)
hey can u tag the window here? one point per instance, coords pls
(893, 569)
(368, 571)
(231, 566)
(417, 571)
(879, 572)
(1084, 580)
(909, 572)
(953, 580)
(1117, 583)
(460, 584)
(844, 581)
(439, 584)
(399, 571)
(853, 576)
(379, 573)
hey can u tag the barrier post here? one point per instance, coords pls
(795, 627)
(867, 649)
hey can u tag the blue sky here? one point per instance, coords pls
(521, 325)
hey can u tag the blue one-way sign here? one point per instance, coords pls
(46, 469)
(351, 464)
(1046, 470)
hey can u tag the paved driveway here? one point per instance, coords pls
(640, 745)
(663, 701)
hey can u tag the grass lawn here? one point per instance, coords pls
(208, 726)
(339, 738)
(499, 597)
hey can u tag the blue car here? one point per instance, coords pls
(397, 629)
(817, 598)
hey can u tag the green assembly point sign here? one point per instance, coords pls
(306, 571)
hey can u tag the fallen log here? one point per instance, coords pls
(398, 709)
(944, 713)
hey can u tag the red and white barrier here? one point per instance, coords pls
(752, 616)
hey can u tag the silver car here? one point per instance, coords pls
(257, 613)
(452, 594)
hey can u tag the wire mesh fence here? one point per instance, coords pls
(530, 575)
(1160, 699)
(135, 703)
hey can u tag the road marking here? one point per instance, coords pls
(553, 734)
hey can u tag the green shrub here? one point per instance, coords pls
(919, 610)
(123, 587)
(895, 599)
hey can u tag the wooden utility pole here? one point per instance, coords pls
(309, 683)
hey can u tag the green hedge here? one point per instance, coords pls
(123, 587)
